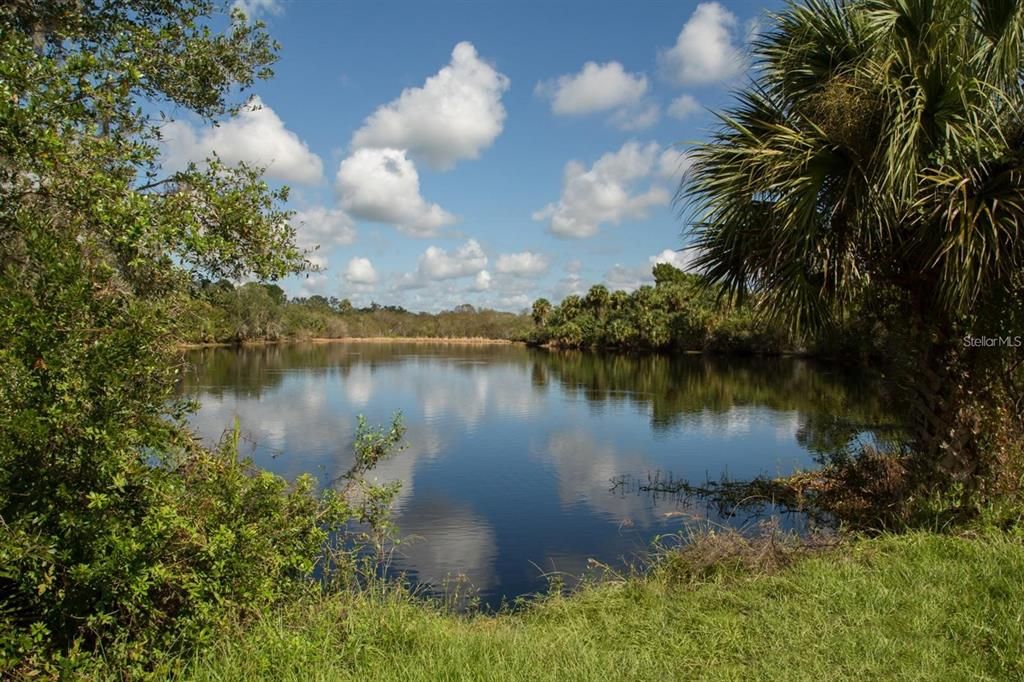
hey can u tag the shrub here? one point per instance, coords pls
(118, 534)
(158, 562)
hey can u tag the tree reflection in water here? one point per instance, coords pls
(522, 457)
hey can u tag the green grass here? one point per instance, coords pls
(919, 606)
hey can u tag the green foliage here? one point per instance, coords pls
(919, 606)
(118, 534)
(254, 312)
(374, 444)
(879, 146)
(666, 273)
(597, 299)
(159, 562)
(363, 549)
(678, 313)
(205, 537)
(875, 166)
(540, 311)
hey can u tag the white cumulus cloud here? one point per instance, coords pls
(360, 271)
(323, 228)
(382, 185)
(602, 87)
(436, 263)
(523, 263)
(674, 164)
(605, 193)
(684, 106)
(255, 8)
(623, 278)
(514, 302)
(626, 278)
(682, 259)
(572, 283)
(455, 114)
(707, 49)
(317, 261)
(256, 136)
(597, 87)
(636, 118)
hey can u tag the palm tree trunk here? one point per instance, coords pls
(945, 421)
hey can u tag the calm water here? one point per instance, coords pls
(513, 452)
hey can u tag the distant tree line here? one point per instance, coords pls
(220, 312)
(682, 313)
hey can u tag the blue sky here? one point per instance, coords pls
(482, 152)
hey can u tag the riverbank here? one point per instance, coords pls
(453, 340)
(440, 340)
(917, 606)
(477, 341)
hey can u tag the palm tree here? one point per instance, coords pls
(618, 301)
(541, 310)
(879, 152)
(597, 300)
(572, 305)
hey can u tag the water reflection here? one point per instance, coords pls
(359, 385)
(423, 443)
(584, 468)
(444, 540)
(512, 451)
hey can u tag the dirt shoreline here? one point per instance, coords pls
(461, 340)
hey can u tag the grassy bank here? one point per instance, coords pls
(427, 340)
(262, 313)
(917, 606)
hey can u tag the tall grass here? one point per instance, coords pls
(917, 606)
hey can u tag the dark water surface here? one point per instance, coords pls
(514, 452)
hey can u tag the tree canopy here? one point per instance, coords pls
(678, 313)
(877, 160)
(880, 145)
(117, 532)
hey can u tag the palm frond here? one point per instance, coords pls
(881, 142)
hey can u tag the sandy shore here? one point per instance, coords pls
(454, 340)
(460, 340)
